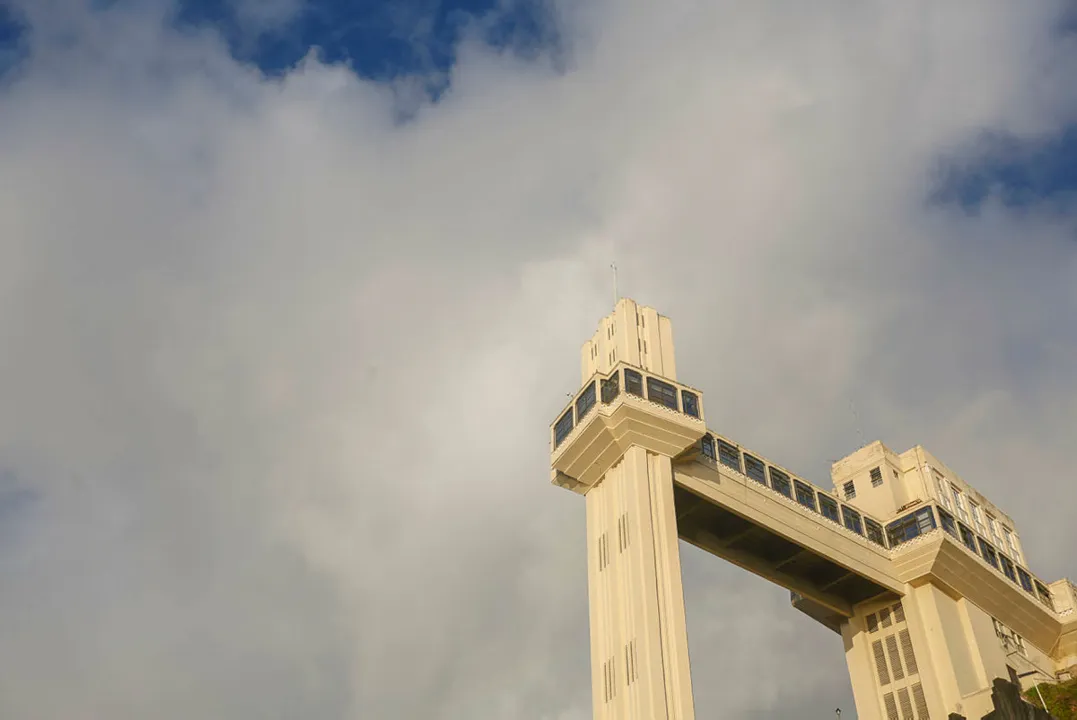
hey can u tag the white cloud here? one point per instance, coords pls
(279, 370)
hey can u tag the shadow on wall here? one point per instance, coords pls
(1009, 705)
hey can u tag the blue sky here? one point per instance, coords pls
(382, 40)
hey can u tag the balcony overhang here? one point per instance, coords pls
(609, 430)
(939, 559)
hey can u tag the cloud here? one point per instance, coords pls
(277, 370)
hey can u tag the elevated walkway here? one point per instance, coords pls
(828, 566)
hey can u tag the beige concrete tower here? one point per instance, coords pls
(622, 462)
(924, 578)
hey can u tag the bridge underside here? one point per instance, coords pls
(821, 587)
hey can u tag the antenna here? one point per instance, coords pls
(856, 421)
(616, 296)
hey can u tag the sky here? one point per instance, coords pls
(290, 293)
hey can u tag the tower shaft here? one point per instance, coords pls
(639, 641)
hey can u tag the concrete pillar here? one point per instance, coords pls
(639, 641)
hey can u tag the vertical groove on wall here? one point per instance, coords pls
(906, 649)
(895, 659)
(880, 662)
(891, 707)
(921, 702)
(906, 706)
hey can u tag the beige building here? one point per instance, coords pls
(924, 578)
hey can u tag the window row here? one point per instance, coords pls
(635, 383)
(968, 510)
(1015, 573)
(727, 454)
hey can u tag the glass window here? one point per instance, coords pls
(779, 481)
(1007, 567)
(754, 468)
(633, 382)
(912, 525)
(996, 536)
(729, 455)
(1011, 540)
(948, 523)
(876, 477)
(875, 532)
(852, 519)
(562, 428)
(988, 553)
(978, 518)
(828, 507)
(707, 446)
(959, 503)
(1025, 579)
(690, 403)
(611, 388)
(967, 537)
(1044, 595)
(849, 489)
(662, 393)
(585, 402)
(805, 493)
(944, 496)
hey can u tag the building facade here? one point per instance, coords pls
(922, 576)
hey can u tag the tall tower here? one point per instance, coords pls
(924, 579)
(615, 446)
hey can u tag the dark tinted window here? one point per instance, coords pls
(876, 477)
(778, 480)
(875, 532)
(849, 489)
(828, 507)
(662, 393)
(754, 469)
(585, 402)
(690, 402)
(633, 382)
(852, 519)
(611, 388)
(707, 447)
(562, 428)
(1007, 567)
(967, 537)
(805, 494)
(988, 552)
(1044, 594)
(911, 526)
(729, 455)
(947, 522)
(1025, 579)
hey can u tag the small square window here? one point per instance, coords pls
(828, 507)
(707, 447)
(754, 468)
(805, 494)
(851, 519)
(779, 481)
(729, 455)
(662, 393)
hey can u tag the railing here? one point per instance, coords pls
(722, 452)
(918, 522)
(1002, 564)
(672, 396)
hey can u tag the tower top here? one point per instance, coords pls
(634, 334)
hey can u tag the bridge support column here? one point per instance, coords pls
(639, 642)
